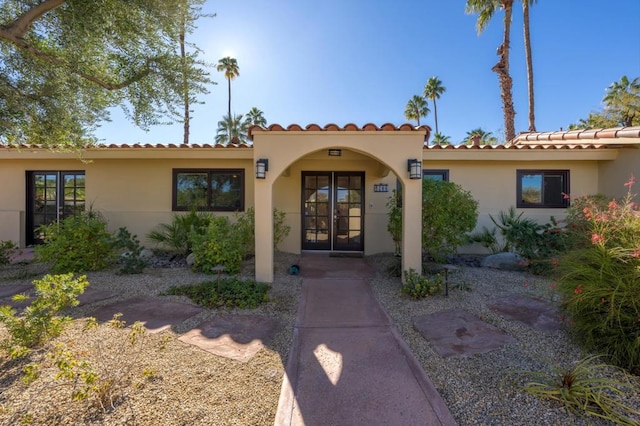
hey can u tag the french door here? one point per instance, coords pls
(333, 211)
(52, 196)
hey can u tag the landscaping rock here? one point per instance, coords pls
(146, 254)
(504, 261)
(191, 259)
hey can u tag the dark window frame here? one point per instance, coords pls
(209, 172)
(444, 173)
(520, 173)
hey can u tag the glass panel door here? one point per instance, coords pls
(52, 196)
(332, 205)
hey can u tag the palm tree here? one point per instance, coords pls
(255, 117)
(230, 67)
(529, 60)
(232, 130)
(623, 100)
(432, 90)
(440, 139)
(416, 108)
(485, 10)
(485, 138)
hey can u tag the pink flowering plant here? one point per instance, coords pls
(600, 280)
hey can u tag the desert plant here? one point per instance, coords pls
(131, 260)
(230, 292)
(6, 248)
(394, 220)
(218, 244)
(587, 389)
(280, 228)
(77, 244)
(600, 284)
(175, 235)
(577, 223)
(245, 228)
(40, 321)
(448, 213)
(419, 286)
(487, 238)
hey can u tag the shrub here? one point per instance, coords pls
(419, 286)
(245, 228)
(77, 244)
(448, 213)
(219, 244)
(40, 321)
(600, 283)
(577, 223)
(175, 235)
(394, 220)
(131, 259)
(6, 248)
(587, 389)
(227, 292)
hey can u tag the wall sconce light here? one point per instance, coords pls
(334, 152)
(414, 167)
(262, 166)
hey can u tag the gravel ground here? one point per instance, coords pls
(162, 381)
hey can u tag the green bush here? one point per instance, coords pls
(394, 220)
(419, 286)
(6, 248)
(175, 235)
(245, 228)
(577, 223)
(40, 321)
(219, 244)
(131, 260)
(228, 292)
(77, 244)
(448, 213)
(600, 283)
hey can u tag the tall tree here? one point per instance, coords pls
(232, 129)
(484, 137)
(255, 117)
(190, 12)
(622, 100)
(529, 60)
(440, 139)
(231, 71)
(416, 108)
(66, 62)
(432, 90)
(485, 9)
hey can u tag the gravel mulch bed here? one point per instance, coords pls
(161, 380)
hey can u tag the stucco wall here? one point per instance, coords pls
(614, 174)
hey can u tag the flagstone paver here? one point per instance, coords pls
(536, 312)
(238, 337)
(456, 332)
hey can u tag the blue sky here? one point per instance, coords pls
(356, 61)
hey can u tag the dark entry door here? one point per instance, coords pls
(52, 196)
(333, 211)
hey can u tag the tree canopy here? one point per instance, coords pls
(64, 63)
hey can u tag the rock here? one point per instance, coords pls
(191, 259)
(146, 254)
(505, 261)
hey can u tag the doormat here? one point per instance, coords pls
(352, 255)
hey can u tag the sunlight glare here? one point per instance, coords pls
(330, 361)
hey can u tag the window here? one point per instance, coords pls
(436, 174)
(543, 188)
(208, 189)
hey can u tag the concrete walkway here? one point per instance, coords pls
(348, 365)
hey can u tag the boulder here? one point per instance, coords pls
(505, 261)
(146, 254)
(191, 259)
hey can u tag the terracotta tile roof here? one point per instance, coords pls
(369, 127)
(138, 146)
(512, 147)
(616, 135)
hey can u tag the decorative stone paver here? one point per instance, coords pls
(536, 312)
(458, 333)
(238, 337)
(156, 315)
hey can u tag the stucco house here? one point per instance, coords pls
(332, 182)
